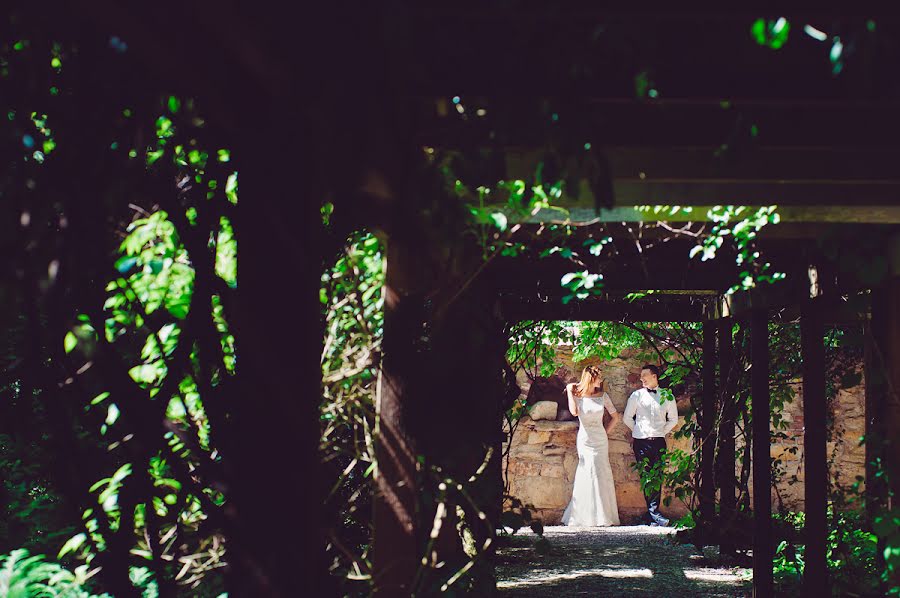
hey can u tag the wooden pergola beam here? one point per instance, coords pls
(583, 212)
(603, 310)
(616, 122)
(761, 163)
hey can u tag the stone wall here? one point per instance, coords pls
(847, 455)
(543, 455)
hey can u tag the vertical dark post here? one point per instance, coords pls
(269, 440)
(889, 346)
(886, 373)
(876, 344)
(394, 546)
(725, 476)
(812, 348)
(762, 471)
(707, 430)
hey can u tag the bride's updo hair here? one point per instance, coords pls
(589, 378)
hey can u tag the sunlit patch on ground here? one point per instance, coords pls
(640, 560)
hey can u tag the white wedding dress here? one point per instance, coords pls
(594, 493)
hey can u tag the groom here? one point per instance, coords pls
(650, 418)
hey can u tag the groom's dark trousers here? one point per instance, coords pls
(651, 449)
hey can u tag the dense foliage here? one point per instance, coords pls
(120, 360)
(352, 298)
(118, 350)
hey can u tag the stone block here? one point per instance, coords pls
(544, 410)
(525, 450)
(555, 426)
(570, 463)
(538, 437)
(552, 450)
(619, 446)
(565, 437)
(553, 470)
(629, 496)
(545, 493)
(526, 468)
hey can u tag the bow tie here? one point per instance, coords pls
(653, 390)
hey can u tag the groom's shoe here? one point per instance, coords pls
(659, 521)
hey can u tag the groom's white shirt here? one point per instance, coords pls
(653, 420)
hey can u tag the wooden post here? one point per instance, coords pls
(876, 345)
(815, 577)
(395, 542)
(888, 317)
(725, 477)
(762, 471)
(707, 430)
(274, 514)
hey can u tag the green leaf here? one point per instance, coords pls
(72, 544)
(568, 278)
(771, 34)
(112, 414)
(100, 398)
(500, 220)
(70, 341)
(124, 264)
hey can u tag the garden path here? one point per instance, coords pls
(627, 561)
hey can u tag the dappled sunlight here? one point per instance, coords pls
(606, 560)
(613, 531)
(614, 573)
(712, 575)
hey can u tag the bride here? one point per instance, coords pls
(594, 494)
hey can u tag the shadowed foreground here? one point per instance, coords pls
(635, 560)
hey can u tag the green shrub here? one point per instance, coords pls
(24, 576)
(850, 554)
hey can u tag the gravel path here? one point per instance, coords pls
(614, 561)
